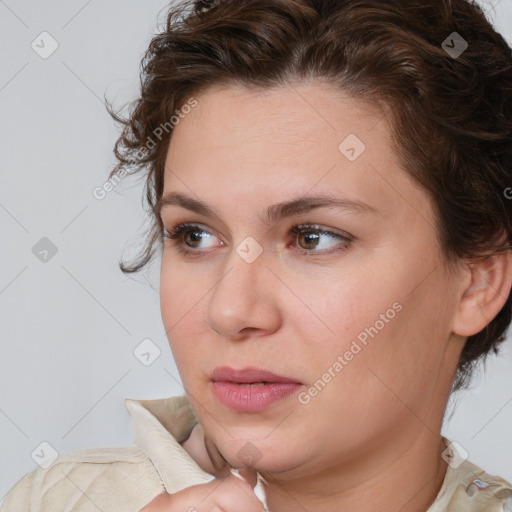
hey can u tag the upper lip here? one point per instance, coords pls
(248, 375)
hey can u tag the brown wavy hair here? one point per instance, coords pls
(452, 115)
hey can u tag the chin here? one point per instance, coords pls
(260, 454)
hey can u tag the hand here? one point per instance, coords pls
(205, 453)
(228, 494)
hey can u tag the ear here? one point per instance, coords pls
(486, 289)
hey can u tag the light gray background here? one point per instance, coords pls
(69, 326)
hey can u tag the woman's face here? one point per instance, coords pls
(356, 310)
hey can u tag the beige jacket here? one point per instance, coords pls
(127, 479)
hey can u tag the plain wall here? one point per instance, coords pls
(69, 325)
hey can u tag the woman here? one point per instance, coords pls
(328, 184)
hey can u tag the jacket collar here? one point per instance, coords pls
(159, 426)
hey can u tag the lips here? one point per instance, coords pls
(249, 375)
(251, 390)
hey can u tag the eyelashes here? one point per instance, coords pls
(314, 233)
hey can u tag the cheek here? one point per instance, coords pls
(371, 324)
(388, 343)
(181, 305)
(352, 308)
(182, 290)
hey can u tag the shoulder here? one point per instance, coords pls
(104, 478)
(468, 487)
(482, 492)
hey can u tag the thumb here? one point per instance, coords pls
(247, 474)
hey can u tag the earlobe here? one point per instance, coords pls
(490, 281)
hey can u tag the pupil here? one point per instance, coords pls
(194, 236)
(312, 238)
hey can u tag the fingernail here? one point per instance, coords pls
(235, 472)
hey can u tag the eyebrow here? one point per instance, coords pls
(274, 212)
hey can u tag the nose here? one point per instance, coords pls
(245, 300)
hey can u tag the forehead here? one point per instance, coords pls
(291, 128)
(297, 111)
(284, 142)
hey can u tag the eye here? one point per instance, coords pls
(311, 236)
(191, 234)
(187, 239)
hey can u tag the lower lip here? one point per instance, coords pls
(252, 398)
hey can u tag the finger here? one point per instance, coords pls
(229, 494)
(249, 475)
(236, 494)
(219, 462)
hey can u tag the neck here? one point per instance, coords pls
(402, 473)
